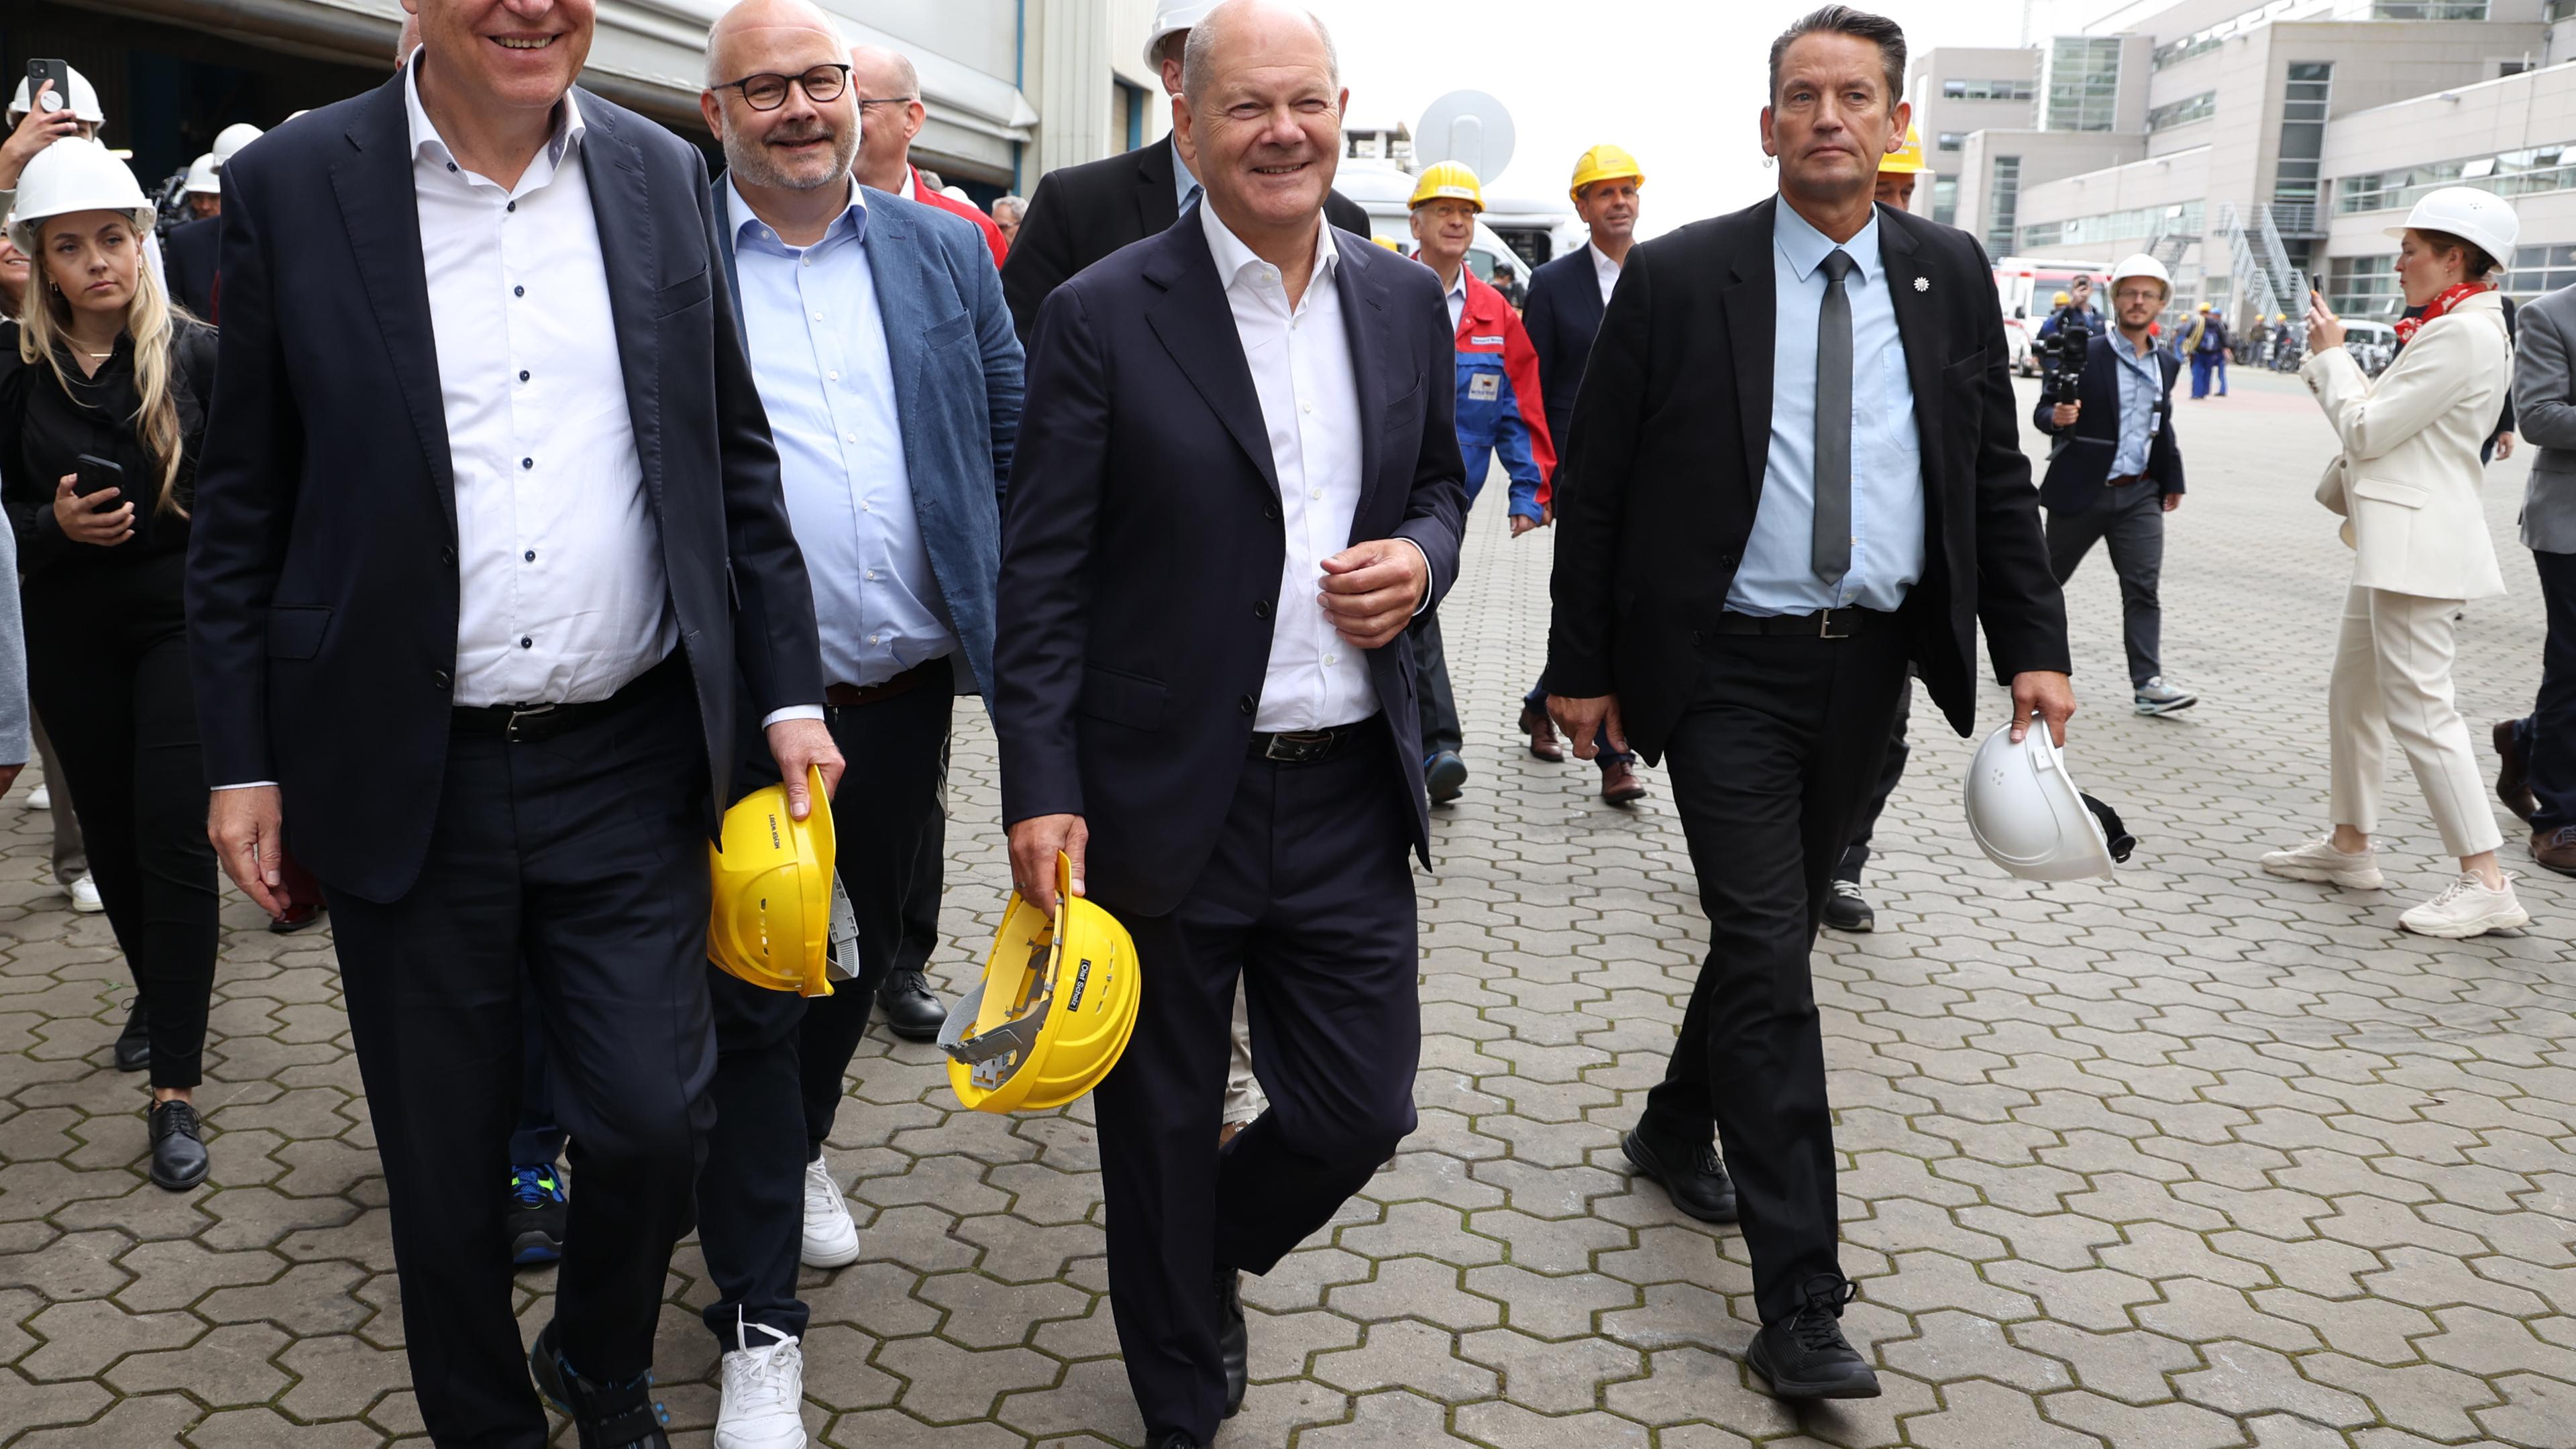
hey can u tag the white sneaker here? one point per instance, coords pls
(764, 1389)
(831, 1239)
(2318, 860)
(2156, 697)
(2467, 907)
(40, 798)
(84, 894)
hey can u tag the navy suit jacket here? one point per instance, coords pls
(957, 387)
(322, 576)
(2081, 458)
(1142, 547)
(1563, 316)
(188, 256)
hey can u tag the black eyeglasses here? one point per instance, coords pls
(822, 85)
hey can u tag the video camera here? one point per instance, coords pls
(2061, 357)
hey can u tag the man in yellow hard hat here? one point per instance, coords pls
(1499, 413)
(1566, 298)
(1898, 171)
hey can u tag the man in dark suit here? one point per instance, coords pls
(1566, 298)
(2114, 470)
(188, 252)
(1238, 481)
(1080, 214)
(1793, 468)
(488, 536)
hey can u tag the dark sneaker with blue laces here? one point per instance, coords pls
(604, 1416)
(1444, 775)
(1805, 1356)
(535, 1219)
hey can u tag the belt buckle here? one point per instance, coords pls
(1300, 746)
(519, 712)
(1825, 624)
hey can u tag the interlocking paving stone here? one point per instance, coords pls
(2192, 1159)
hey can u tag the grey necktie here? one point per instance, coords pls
(1834, 421)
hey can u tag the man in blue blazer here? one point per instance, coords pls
(1238, 483)
(2114, 471)
(887, 363)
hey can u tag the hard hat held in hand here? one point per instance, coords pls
(2026, 813)
(772, 919)
(1054, 1010)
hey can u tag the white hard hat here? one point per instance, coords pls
(84, 99)
(2026, 813)
(2141, 265)
(234, 137)
(2480, 218)
(74, 175)
(1169, 20)
(203, 178)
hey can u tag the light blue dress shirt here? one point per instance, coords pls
(1184, 185)
(2142, 386)
(818, 356)
(1778, 573)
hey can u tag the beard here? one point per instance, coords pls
(753, 162)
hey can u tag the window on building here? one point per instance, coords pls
(2526, 172)
(2428, 9)
(2083, 83)
(1131, 113)
(2557, 10)
(2538, 271)
(1945, 200)
(1985, 90)
(2364, 287)
(1953, 140)
(2003, 193)
(2134, 225)
(2303, 130)
(2207, 39)
(2183, 112)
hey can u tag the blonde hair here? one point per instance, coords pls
(45, 319)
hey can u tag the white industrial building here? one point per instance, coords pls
(2253, 143)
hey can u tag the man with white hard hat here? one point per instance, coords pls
(2114, 470)
(190, 249)
(1080, 214)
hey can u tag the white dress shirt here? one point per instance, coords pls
(1300, 358)
(1604, 271)
(818, 356)
(1458, 298)
(563, 595)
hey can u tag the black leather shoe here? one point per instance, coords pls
(301, 917)
(1805, 1355)
(621, 1416)
(134, 1044)
(1847, 909)
(537, 1212)
(1444, 776)
(178, 1153)
(1233, 1338)
(912, 1010)
(1692, 1177)
(2513, 772)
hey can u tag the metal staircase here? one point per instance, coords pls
(2254, 292)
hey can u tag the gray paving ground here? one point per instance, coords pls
(2190, 1160)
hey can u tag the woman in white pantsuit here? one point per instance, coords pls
(2407, 486)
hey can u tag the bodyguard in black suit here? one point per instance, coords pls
(488, 535)
(1223, 423)
(1743, 572)
(188, 260)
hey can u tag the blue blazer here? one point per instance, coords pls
(2080, 458)
(1563, 313)
(957, 391)
(1142, 548)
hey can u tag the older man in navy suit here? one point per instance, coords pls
(1238, 483)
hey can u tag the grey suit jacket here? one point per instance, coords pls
(2544, 396)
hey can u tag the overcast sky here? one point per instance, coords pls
(1677, 82)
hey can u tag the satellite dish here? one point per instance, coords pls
(1469, 127)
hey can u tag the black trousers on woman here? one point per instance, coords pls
(107, 667)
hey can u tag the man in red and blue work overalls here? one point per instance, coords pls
(1499, 413)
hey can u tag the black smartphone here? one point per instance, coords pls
(57, 71)
(91, 474)
(2317, 281)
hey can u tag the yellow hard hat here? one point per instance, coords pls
(1449, 179)
(1388, 242)
(772, 919)
(2061, 299)
(1054, 1010)
(2277, 316)
(1602, 163)
(1906, 160)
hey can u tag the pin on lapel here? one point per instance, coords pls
(1923, 284)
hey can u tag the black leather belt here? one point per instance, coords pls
(852, 696)
(1307, 747)
(527, 724)
(1823, 624)
(2123, 482)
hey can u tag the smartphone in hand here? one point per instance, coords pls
(92, 475)
(57, 71)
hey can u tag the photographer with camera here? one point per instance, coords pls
(2114, 471)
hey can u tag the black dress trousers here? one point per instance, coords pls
(1309, 900)
(1770, 770)
(584, 854)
